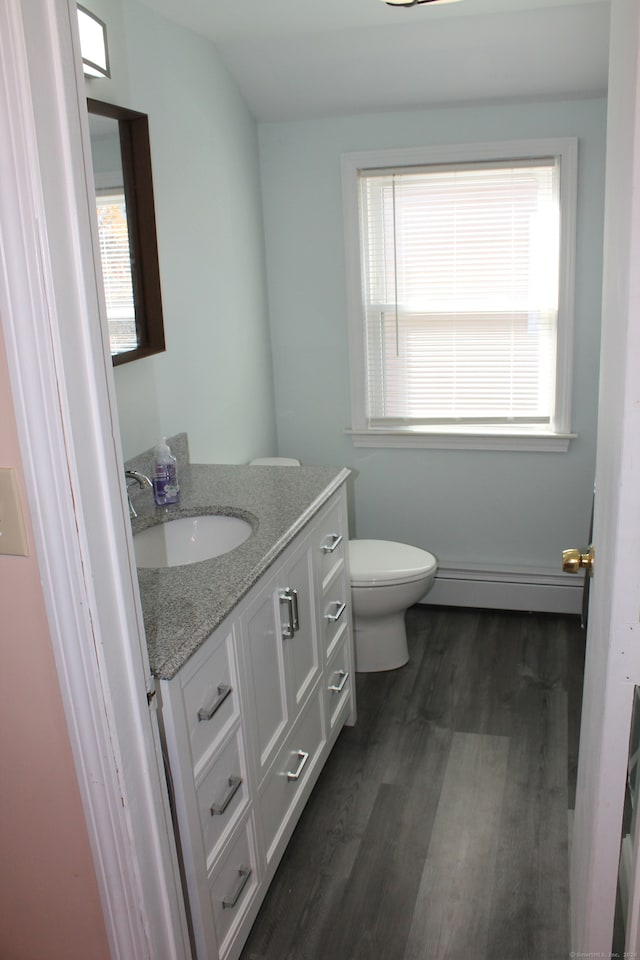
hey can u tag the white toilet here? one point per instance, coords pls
(386, 579)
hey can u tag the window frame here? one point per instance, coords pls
(557, 435)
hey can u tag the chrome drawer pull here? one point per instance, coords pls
(303, 756)
(288, 629)
(340, 609)
(243, 875)
(296, 614)
(339, 687)
(336, 540)
(234, 786)
(223, 692)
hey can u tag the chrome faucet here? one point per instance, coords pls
(142, 480)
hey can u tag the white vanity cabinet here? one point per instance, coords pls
(248, 723)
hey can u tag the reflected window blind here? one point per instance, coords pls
(113, 234)
(461, 276)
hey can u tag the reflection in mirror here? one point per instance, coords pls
(113, 234)
(121, 159)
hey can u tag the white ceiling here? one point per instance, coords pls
(310, 58)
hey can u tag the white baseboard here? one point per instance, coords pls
(515, 589)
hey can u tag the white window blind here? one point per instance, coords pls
(460, 272)
(113, 233)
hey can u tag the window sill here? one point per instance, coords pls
(447, 439)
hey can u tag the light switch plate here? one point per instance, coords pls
(13, 535)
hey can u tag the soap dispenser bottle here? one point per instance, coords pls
(166, 488)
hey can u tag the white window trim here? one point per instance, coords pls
(557, 436)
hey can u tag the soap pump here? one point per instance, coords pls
(166, 488)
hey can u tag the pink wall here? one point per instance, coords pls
(49, 903)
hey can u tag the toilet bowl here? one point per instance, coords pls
(386, 579)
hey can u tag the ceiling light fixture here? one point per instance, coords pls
(414, 3)
(93, 44)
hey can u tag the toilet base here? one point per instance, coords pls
(380, 642)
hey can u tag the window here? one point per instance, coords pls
(460, 268)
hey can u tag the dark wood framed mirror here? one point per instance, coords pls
(121, 159)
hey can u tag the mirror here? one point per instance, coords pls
(121, 160)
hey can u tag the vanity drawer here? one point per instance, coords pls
(330, 543)
(338, 682)
(290, 772)
(223, 796)
(335, 611)
(232, 886)
(210, 693)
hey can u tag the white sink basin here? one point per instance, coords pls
(188, 540)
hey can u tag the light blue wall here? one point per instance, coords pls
(215, 379)
(491, 509)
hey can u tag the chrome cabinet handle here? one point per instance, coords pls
(340, 609)
(336, 540)
(303, 756)
(339, 687)
(205, 713)
(230, 901)
(288, 629)
(296, 614)
(234, 785)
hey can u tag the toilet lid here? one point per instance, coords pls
(384, 562)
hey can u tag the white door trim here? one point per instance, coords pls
(62, 386)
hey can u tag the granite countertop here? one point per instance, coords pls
(183, 605)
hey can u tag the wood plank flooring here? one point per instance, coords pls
(438, 828)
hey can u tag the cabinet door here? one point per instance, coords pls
(267, 676)
(301, 644)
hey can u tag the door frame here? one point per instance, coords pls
(63, 390)
(64, 397)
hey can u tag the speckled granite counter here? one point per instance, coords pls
(182, 605)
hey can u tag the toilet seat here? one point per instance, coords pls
(384, 563)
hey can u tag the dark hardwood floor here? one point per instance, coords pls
(438, 828)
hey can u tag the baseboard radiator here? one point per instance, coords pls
(516, 589)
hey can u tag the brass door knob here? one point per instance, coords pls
(574, 560)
